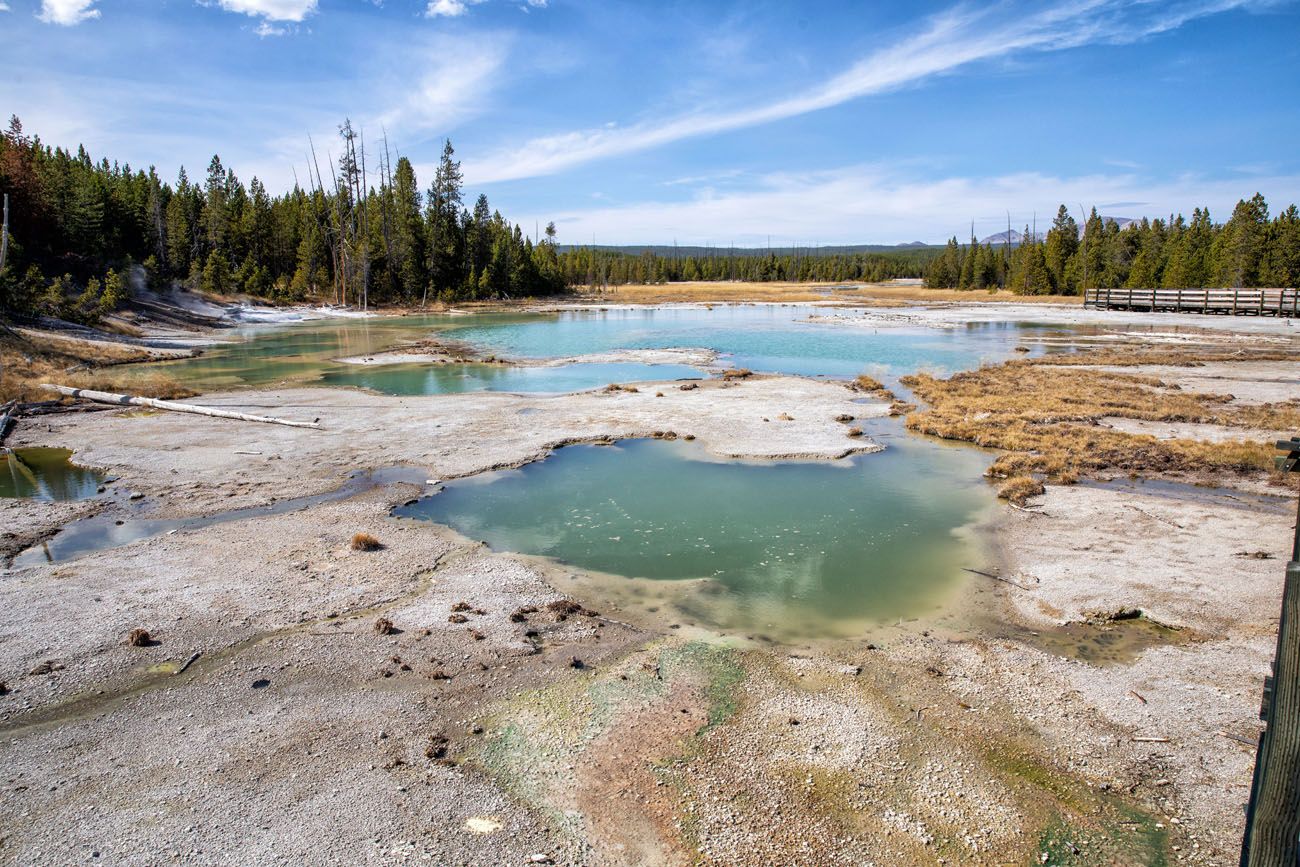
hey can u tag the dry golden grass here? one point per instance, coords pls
(1123, 356)
(862, 382)
(1019, 489)
(28, 359)
(1044, 417)
(154, 385)
(724, 292)
(365, 542)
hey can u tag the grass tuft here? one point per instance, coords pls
(365, 542)
(1019, 489)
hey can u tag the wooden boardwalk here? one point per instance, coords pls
(1231, 302)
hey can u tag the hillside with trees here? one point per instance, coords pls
(362, 232)
(1249, 250)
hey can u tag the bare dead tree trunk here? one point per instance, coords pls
(320, 184)
(364, 199)
(4, 235)
(385, 208)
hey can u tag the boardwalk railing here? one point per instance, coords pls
(1233, 302)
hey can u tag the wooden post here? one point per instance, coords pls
(1273, 820)
(1272, 836)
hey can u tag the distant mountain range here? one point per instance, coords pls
(1017, 237)
(1011, 236)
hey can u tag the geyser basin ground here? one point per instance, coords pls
(788, 549)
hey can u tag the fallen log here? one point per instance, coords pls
(128, 400)
(7, 419)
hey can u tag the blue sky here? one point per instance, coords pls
(718, 123)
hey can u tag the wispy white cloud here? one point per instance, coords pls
(444, 83)
(946, 42)
(876, 204)
(449, 8)
(415, 94)
(271, 10)
(67, 12)
(4, 7)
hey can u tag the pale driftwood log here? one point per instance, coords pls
(7, 415)
(128, 400)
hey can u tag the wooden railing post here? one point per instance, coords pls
(1272, 837)
(1273, 820)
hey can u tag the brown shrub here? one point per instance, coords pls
(457, 618)
(139, 638)
(365, 542)
(384, 626)
(855, 432)
(737, 373)
(462, 606)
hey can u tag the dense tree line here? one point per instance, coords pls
(1249, 250)
(82, 230)
(586, 266)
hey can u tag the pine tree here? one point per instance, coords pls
(445, 231)
(1061, 245)
(1239, 251)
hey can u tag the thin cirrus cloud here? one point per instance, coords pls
(457, 8)
(887, 206)
(949, 41)
(67, 12)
